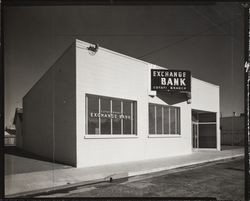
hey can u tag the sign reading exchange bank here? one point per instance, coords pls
(109, 115)
(170, 80)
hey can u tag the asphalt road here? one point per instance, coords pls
(222, 180)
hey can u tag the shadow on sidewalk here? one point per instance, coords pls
(13, 150)
(227, 147)
(18, 161)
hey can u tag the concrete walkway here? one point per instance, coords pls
(56, 176)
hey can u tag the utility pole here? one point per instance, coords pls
(245, 6)
(247, 71)
(247, 98)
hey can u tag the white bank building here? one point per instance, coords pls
(95, 108)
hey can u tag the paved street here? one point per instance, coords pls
(222, 180)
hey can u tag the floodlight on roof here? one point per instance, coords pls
(93, 49)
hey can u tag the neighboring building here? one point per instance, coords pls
(95, 109)
(10, 137)
(232, 130)
(18, 120)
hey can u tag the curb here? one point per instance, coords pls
(179, 166)
(112, 177)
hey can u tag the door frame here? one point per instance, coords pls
(195, 138)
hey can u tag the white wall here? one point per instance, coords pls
(114, 75)
(49, 112)
(54, 110)
(206, 97)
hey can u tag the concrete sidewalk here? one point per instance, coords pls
(54, 177)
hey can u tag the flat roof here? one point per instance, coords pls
(84, 45)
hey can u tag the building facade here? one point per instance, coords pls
(18, 119)
(233, 130)
(95, 109)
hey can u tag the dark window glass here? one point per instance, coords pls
(105, 116)
(178, 121)
(126, 116)
(159, 119)
(207, 135)
(101, 116)
(166, 120)
(172, 120)
(134, 117)
(102, 119)
(116, 111)
(93, 111)
(194, 117)
(207, 117)
(151, 119)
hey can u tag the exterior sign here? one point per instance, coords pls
(170, 80)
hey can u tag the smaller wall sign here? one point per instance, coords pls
(109, 115)
(170, 80)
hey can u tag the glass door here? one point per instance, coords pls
(195, 131)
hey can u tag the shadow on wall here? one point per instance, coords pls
(172, 98)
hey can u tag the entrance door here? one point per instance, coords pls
(195, 131)
(204, 129)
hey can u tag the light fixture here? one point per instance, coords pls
(93, 49)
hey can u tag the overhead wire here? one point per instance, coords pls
(187, 38)
(214, 23)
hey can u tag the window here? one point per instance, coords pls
(93, 123)
(151, 119)
(164, 120)
(110, 116)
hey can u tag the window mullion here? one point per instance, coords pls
(131, 117)
(121, 118)
(175, 118)
(169, 129)
(99, 110)
(86, 115)
(178, 119)
(155, 120)
(111, 119)
(162, 120)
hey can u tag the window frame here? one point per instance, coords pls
(134, 130)
(177, 124)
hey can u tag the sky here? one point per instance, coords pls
(207, 40)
